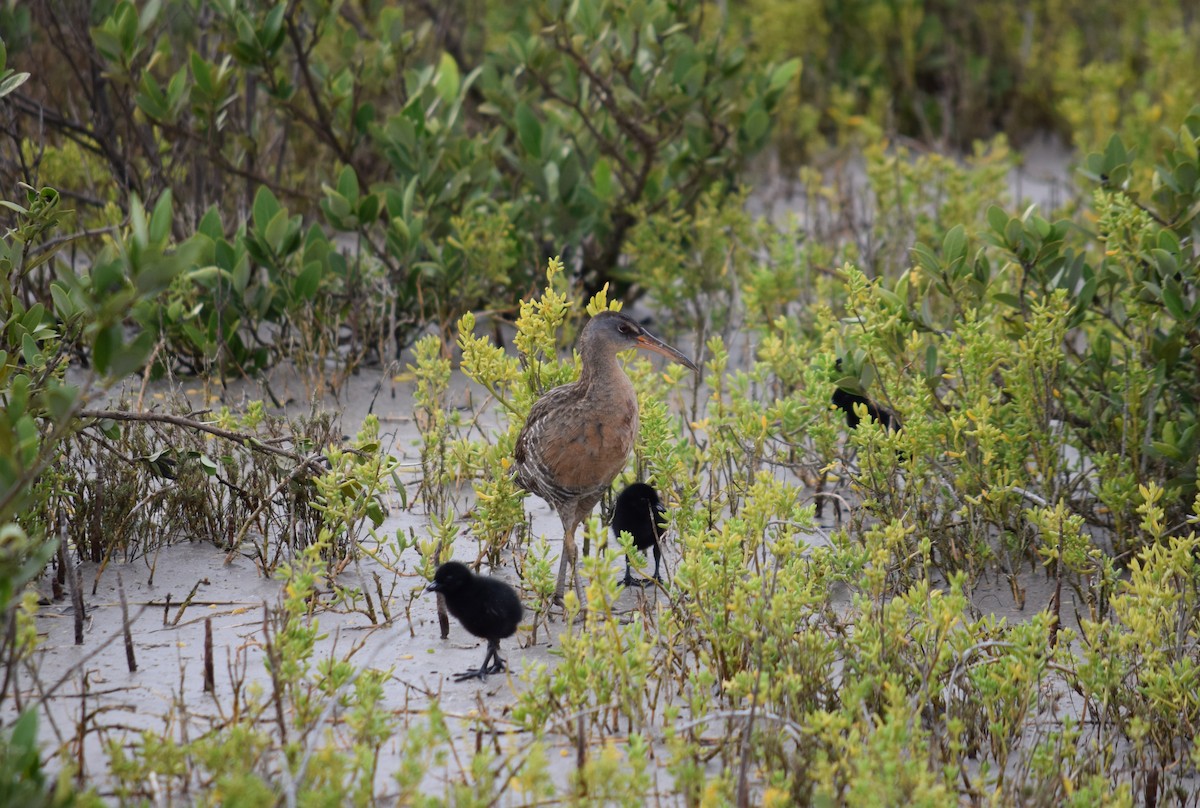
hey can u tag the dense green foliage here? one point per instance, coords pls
(445, 173)
(949, 72)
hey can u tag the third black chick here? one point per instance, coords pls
(487, 607)
(639, 513)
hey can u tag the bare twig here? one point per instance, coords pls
(241, 438)
(74, 576)
(130, 660)
(209, 678)
(187, 602)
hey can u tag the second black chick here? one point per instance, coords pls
(844, 400)
(487, 607)
(639, 513)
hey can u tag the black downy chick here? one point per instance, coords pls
(845, 401)
(639, 513)
(487, 607)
